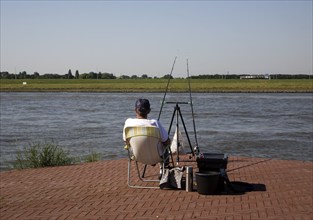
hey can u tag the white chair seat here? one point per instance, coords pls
(144, 146)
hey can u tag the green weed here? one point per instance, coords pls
(42, 155)
(92, 157)
(49, 155)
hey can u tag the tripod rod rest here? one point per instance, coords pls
(185, 103)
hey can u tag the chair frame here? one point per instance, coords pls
(131, 157)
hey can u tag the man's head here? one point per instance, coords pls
(142, 107)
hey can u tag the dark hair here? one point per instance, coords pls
(142, 106)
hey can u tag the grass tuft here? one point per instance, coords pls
(42, 155)
(49, 155)
(92, 157)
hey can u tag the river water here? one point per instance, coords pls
(269, 125)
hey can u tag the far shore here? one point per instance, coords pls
(158, 85)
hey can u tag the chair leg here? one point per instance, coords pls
(128, 174)
(145, 180)
(135, 186)
(144, 171)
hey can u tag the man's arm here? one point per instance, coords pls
(167, 142)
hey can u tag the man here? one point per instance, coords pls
(168, 178)
(142, 109)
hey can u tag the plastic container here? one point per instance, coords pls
(207, 182)
(212, 162)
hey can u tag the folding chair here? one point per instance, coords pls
(144, 146)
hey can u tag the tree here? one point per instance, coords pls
(168, 76)
(36, 75)
(124, 77)
(108, 76)
(84, 76)
(76, 74)
(70, 75)
(92, 75)
(144, 76)
(6, 75)
(22, 75)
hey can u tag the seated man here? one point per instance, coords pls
(142, 109)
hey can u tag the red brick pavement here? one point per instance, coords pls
(99, 191)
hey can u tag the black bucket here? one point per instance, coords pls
(207, 182)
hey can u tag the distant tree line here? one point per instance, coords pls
(69, 75)
(100, 75)
(36, 75)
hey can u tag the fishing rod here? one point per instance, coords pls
(168, 82)
(252, 164)
(177, 112)
(192, 112)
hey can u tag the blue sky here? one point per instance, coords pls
(143, 37)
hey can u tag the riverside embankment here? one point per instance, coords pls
(99, 191)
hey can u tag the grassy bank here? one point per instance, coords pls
(155, 85)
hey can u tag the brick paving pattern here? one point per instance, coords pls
(99, 191)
